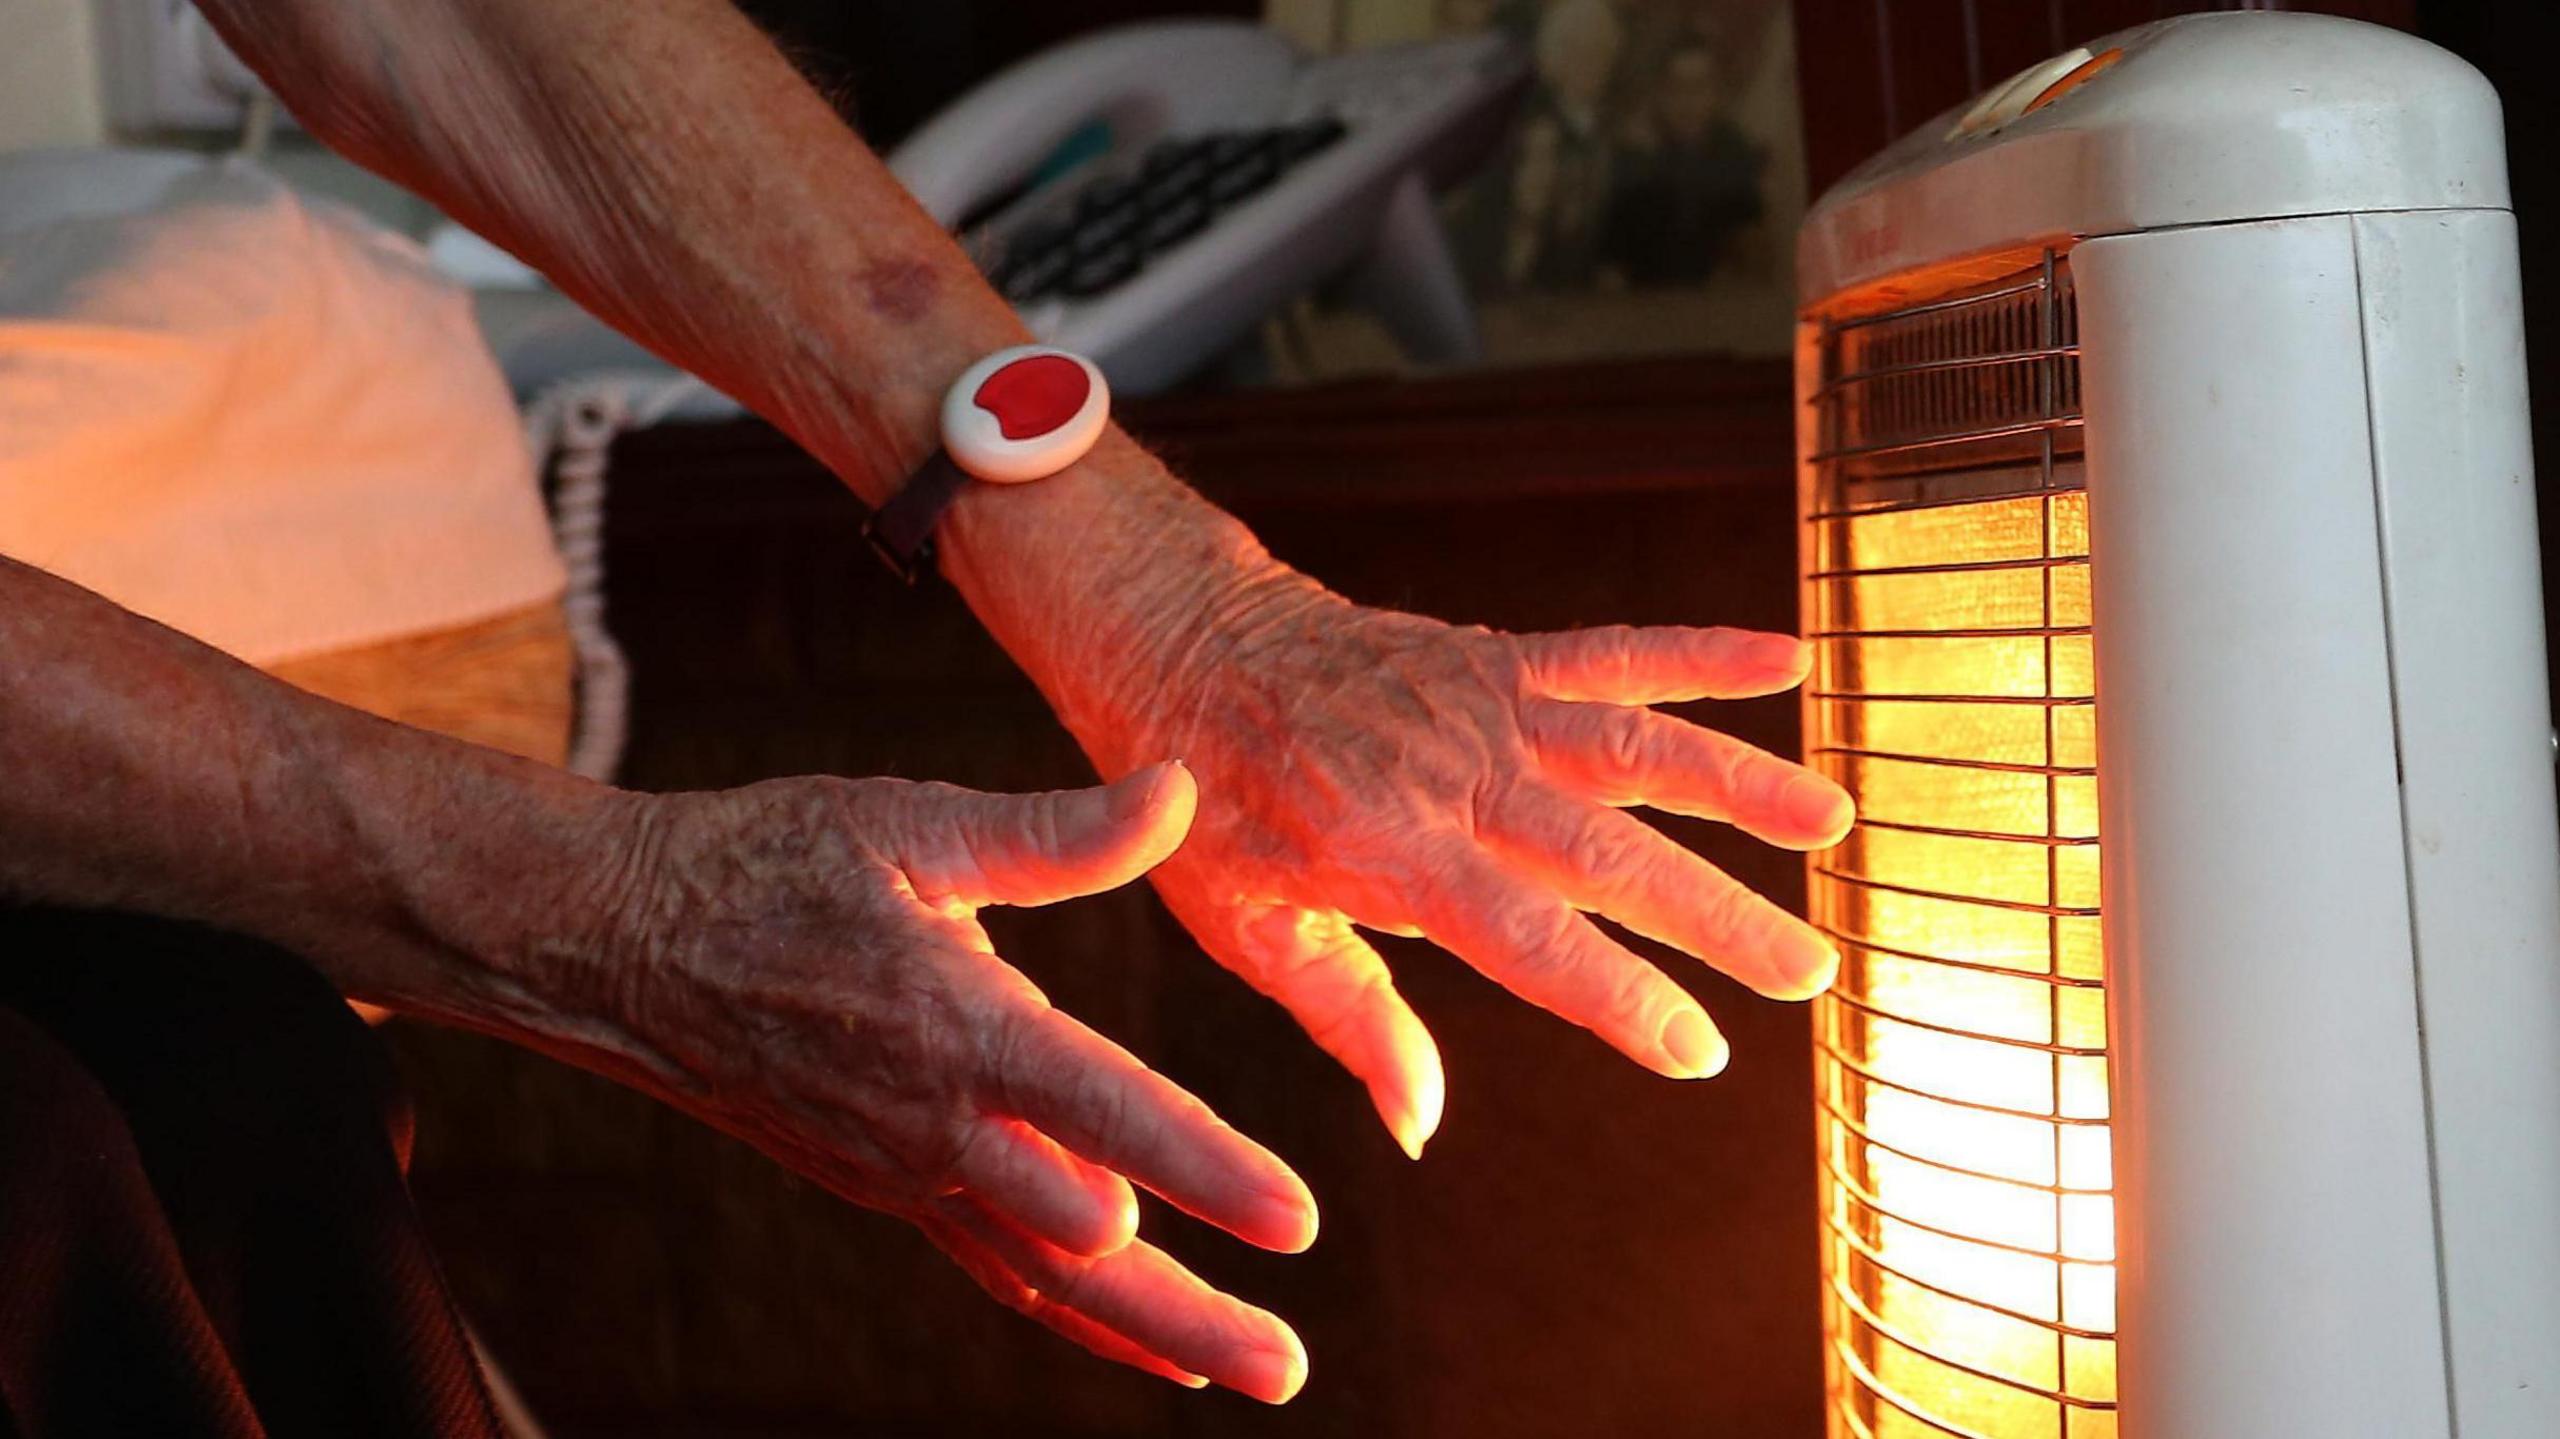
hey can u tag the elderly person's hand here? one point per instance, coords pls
(1365, 768)
(800, 964)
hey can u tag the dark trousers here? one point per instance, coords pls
(204, 1226)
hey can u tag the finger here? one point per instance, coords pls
(1662, 664)
(1617, 865)
(1072, 1204)
(1096, 1099)
(983, 848)
(1320, 969)
(1006, 1287)
(1535, 945)
(1622, 756)
(1110, 1344)
(1142, 1294)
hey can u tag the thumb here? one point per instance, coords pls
(985, 849)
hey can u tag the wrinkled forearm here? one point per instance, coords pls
(145, 771)
(664, 164)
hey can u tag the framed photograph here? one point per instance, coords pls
(1645, 202)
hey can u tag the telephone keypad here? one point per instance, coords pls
(1179, 220)
(1244, 169)
(1105, 193)
(1098, 270)
(1125, 213)
(1104, 226)
(1297, 142)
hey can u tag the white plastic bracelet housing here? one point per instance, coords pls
(1028, 390)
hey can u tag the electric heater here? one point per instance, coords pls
(2168, 541)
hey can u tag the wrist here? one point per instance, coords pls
(1111, 584)
(880, 416)
(472, 887)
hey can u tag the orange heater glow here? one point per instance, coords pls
(1960, 1063)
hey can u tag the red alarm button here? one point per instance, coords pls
(1035, 395)
(1024, 413)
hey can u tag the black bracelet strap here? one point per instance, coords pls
(901, 531)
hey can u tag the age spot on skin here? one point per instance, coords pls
(899, 290)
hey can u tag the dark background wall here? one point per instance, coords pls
(1585, 1250)
(890, 65)
(2507, 40)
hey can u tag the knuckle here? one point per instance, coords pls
(1538, 941)
(1762, 780)
(1728, 916)
(1626, 746)
(929, 793)
(1066, 1284)
(1292, 962)
(1735, 774)
(1343, 1010)
(1038, 829)
(859, 801)
(923, 807)
(1108, 1109)
(962, 1156)
(1633, 996)
(1617, 646)
(1664, 875)
(1757, 922)
(1611, 852)
(1007, 1058)
(1514, 665)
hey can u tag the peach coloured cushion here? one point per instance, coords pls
(261, 420)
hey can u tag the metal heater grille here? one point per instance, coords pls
(1961, 1079)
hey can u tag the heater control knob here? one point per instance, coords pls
(2006, 102)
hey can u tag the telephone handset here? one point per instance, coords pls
(1146, 195)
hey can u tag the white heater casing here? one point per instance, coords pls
(2331, 873)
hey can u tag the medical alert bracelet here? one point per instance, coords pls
(1018, 415)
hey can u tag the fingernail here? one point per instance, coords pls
(1128, 801)
(1818, 806)
(1413, 1118)
(1810, 959)
(1273, 1376)
(1780, 652)
(1284, 1222)
(1694, 1044)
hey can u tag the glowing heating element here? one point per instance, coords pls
(1960, 1064)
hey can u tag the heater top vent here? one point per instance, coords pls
(1968, 395)
(2355, 117)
